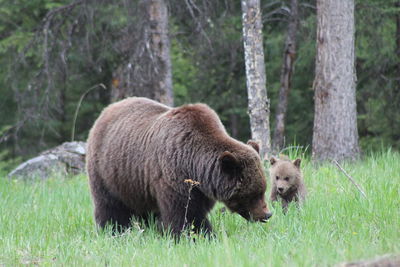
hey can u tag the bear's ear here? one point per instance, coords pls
(229, 162)
(272, 160)
(254, 145)
(297, 162)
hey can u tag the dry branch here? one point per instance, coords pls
(192, 185)
(79, 105)
(350, 178)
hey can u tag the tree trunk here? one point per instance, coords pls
(397, 5)
(335, 119)
(148, 70)
(258, 105)
(233, 117)
(286, 77)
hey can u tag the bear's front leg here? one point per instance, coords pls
(202, 226)
(179, 212)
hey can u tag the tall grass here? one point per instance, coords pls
(50, 223)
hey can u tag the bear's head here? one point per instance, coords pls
(285, 175)
(247, 184)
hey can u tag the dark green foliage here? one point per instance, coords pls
(378, 72)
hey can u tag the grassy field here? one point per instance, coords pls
(50, 223)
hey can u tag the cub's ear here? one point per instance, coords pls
(254, 145)
(272, 160)
(297, 162)
(229, 162)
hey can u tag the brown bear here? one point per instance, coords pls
(140, 155)
(287, 181)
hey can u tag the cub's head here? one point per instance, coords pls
(245, 183)
(285, 175)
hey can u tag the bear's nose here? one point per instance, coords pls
(266, 217)
(280, 189)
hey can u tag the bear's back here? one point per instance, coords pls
(116, 120)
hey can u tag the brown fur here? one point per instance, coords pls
(140, 152)
(287, 181)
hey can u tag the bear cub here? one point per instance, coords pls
(287, 181)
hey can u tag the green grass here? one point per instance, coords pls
(50, 223)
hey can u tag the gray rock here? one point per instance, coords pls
(383, 261)
(68, 158)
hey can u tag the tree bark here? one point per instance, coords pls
(335, 120)
(258, 103)
(234, 125)
(397, 5)
(289, 57)
(148, 70)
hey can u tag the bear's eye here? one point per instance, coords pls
(277, 177)
(286, 178)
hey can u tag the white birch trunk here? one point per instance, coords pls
(258, 103)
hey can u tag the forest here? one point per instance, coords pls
(55, 52)
(107, 157)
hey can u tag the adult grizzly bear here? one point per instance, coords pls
(140, 153)
(287, 181)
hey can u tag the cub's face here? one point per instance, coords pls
(247, 196)
(285, 175)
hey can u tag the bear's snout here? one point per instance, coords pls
(268, 215)
(280, 189)
(263, 218)
(260, 213)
